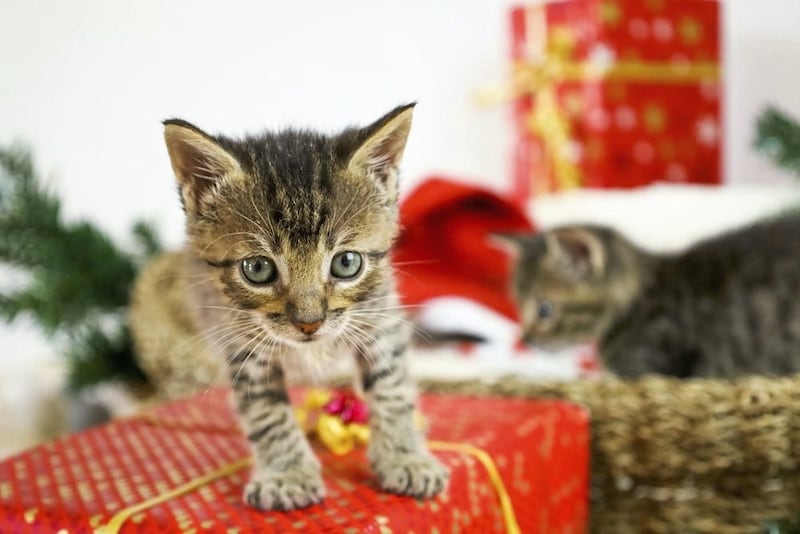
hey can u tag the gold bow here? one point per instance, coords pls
(339, 437)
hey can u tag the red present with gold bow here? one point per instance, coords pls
(517, 466)
(616, 94)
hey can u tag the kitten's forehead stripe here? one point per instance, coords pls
(294, 170)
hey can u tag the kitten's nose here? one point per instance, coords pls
(307, 328)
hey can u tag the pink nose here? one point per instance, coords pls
(307, 328)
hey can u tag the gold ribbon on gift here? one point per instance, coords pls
(551, 52)
(116, 522)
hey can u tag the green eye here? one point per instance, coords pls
(346, 264)
(259, 270)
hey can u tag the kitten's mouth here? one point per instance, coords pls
(310, 338)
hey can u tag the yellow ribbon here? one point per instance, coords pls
(115, 524)
(553, 64)
(506, 507)
(339, 437)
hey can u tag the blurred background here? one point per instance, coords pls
(86, 85)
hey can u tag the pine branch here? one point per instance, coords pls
(778, 136)
(76, 269)
(147, 239)
(78, 275)
(97, 356)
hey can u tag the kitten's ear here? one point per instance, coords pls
(515, 243)
(380, 153)
(580, 252)
(198, 161)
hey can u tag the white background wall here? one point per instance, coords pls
(87, 84)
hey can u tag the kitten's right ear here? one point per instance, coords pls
(198, 161)
(581, 252)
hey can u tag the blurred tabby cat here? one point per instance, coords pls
(726, 307)
(287, 261)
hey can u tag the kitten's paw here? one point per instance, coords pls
(415, 474)
(297, 487)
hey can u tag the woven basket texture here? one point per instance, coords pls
(669, 455)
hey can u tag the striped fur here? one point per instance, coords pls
(726, 307)
(296, 199)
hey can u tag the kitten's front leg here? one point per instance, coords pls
(286, 473)
(397, 450)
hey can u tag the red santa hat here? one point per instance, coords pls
(445, 248)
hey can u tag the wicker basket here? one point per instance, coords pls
(668, 455)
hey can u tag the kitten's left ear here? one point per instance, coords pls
(199, 162)
(515, 244)
(581, 251)
(380, 153)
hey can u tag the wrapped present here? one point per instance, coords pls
(616, 94)
(517, 466)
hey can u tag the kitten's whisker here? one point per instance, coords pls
(363, 323)
(363, 340)
(254, 353)
(204, 338)
(416, 262)
(254, 223)
(366, 315)
(269, 351)
(226, 308)
(382, 330)
(408, 274)
(341, 213)
(369, 204)
(231, 234)
(235, 378)
(267, 224)
(393, 308)
(198, 283)
(206, 335)
(253, 239)
(222, 348)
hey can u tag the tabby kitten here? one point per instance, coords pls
(287, 261)
(726, 307)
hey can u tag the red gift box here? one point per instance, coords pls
(517, 466)
(616, 94)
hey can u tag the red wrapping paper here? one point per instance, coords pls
(631, 127)
(89, 482)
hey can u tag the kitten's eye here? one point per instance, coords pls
(346, 264)
(259, 270)
(545, 309)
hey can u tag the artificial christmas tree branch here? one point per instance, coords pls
(778, 136)
(79, 279)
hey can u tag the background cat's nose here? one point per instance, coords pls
(307, 328)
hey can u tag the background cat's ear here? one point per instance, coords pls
(581, 252)
(380, 153)
(515, 243)
(198, 161)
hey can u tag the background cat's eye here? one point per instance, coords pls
(544, 309)
(259, 270)
(346, 264)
